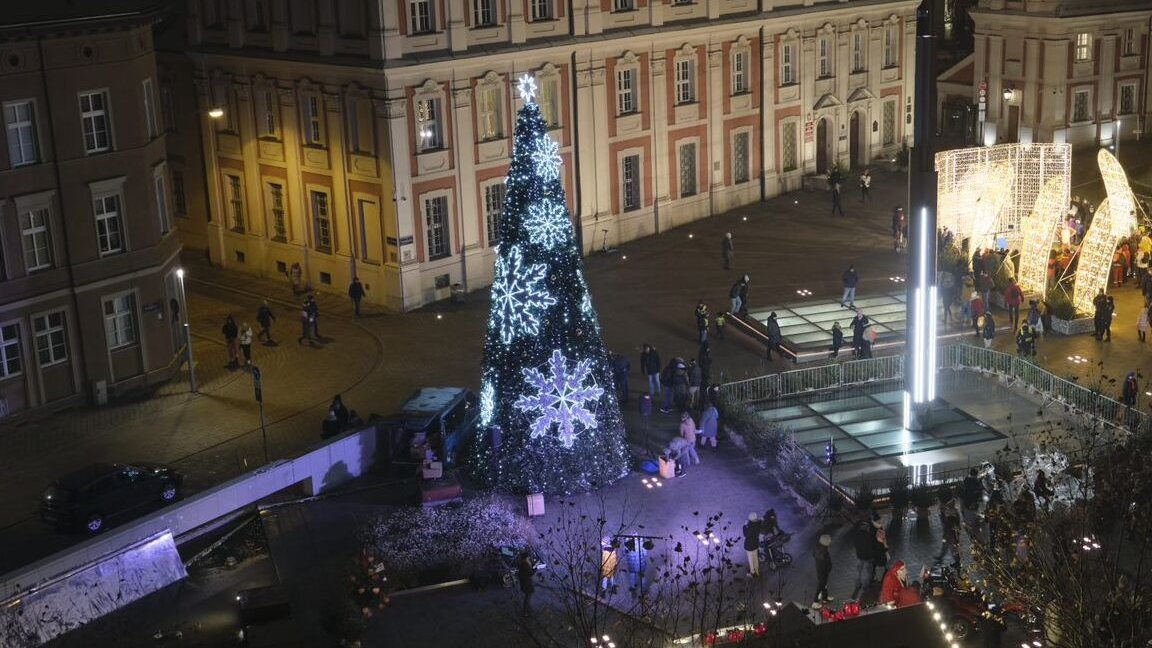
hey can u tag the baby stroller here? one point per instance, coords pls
(772, 554)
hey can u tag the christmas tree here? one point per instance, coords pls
(549, 418)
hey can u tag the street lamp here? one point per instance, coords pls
(187, 332)
(1008, 94)
(1116, 137)
(216, 112)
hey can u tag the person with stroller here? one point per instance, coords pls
(772, 540)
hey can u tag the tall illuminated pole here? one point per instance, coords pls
(920, 364)
(187, 332)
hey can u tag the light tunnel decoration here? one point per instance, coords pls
(1114, 219)
(1005, 181)
(1038, 230)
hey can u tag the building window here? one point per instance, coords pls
(1131, 46)
(1083, 50)
(890, 47)
(741, 171)
(787, 65)
(276, 202)
(889, 131)
(824, 63)
(51, 340)
(623, 5)
(491, 115)
(149, 108)
(687, 170)
(421, 13)
(20, 122)
(1127, 99)
(160, 187)
(541, 9)
(428, 129)
(36, 238)
(625, 91)
(436, 226)
(178, 196)
(236, 202)
(268, 108)
(120, 321)
(788, 157)
(630, 182)
(549, 101)
(257, 15)
(484, 13)
(313, 121)
(1080, 101)
(857, 52)
(685, 81)
(168, 109)
(493, 208)
(109, 233)
(740, 60)
(350, 17)
(94, 118)
(321, 221)
(360, 132)
(10, 362)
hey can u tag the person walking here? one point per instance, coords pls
(727, 250)
(705, 363)
(976, 309)
(862, 539)
(636, 553)
(231, 334)
(989, 329)
(265, 317)
(314, 316)
(526, 576)
(245, 340)
(866, 185)
(356, 293)
(950, 542)
(1109, 314)
(823, 571)
(862, 334)
(620, 370)
(720, 321)
(709, 426)
(650, 365)
(305, 325)
(775, 337)
(680, 385)
(947, 282)
(744, 295)
(1142, 324)
(752, 544)
(849, 279)
(1129, 394)
(899, 226)
(837, 339)
(701, 322)
(609, 563)
(1013, 298)
(695, 377)
(688, 433)
(880, 553)
(734, 294)
(836, 200)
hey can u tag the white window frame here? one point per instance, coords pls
(1073, 118)
(95, 122)
(160, 189)
(421, 16)
(685, 80)
(631, 181)
(148, 91)
(23, 142)
(428, 115)
(52, 335)
(745, 133)
(1131, 109)
(323, 234)
(540, 10)
(1131, 42)
(443, 240)
(313, 119)
(741, 70)
(492, 197)
(484, 13)
(627, 97)
(623, 5)
(891, 47)
(277, 210)
(859, 58)
(36, 237)
(823, 57)
(692, 173)
(120, 320)
(11, 356)
(269, 113)
(787, 64)
(1082, 47)
(490, 109)
(111, 234)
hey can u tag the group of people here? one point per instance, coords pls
(238, 338)
(761, 536)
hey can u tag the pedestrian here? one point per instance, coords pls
(862, 539)
(726, 249)
(775, 337)
(823, 570)
(636, 553)
(950, 542)
(894, 583)
(837, 339)
(862, 335)
(680, 385)
(701, 321)
(976, 309)
(1033, 317)
(1142, 324)
(695, 378)
(836, 199)
(305, 325)
(1013, 297)
(734, 296)
(688, 433)
(667, 375)
(356, 293)
(972, 491)
(265, 317)
(609, 563)
(1109, 314)
(705, 363)
(245, 340)
(866, 185)
(1131, 390)
(879, 545)
(709, 426)
(676, 450)
(899, 225)
(620, 370)
(1042, 490)
(947, 283)
(314, 316)
(720, 321)
(989, 329)
(231, 338)
(752, 544)
(983, 284)
(650, 365)
(850, 278)
(744, 294)
(525, 575)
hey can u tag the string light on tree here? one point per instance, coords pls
(487, 402)
(547, 159)
(562, 398)
(548, 224)
(518, 296)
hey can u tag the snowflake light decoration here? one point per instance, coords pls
(547, 223)
(518, 295)
(527, 88)
(561, 398)
(547, 159)
(487, 402)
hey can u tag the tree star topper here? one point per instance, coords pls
(527, 88)
(561, 398)
(519, 297)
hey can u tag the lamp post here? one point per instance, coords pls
(1116, 138)
(187, 332)
(258, 387)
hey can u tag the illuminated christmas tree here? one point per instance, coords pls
(549, 419)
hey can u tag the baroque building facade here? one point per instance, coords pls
(89, 301)
(370, 138)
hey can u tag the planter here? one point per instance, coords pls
(1072, 327)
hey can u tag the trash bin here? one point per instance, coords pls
(457, 293)
(667, 468)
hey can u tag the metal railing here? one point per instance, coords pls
(815, 379)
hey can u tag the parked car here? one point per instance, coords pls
(92, 495)
(435, 419)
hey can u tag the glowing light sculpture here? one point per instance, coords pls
(1114, 219)
(1038, 230)
(549, 419)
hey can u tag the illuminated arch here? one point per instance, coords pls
(1114, 219)
(1037, 230)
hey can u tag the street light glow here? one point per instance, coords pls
(216, 113)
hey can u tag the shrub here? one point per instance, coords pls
(865, 497)
(1060, 305)
(898, 491)
(922, 496)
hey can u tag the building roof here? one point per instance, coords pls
(1070, 8)
(41, 16)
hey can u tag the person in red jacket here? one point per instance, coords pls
(1013, 297)
(895, 580)
(977, 308)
